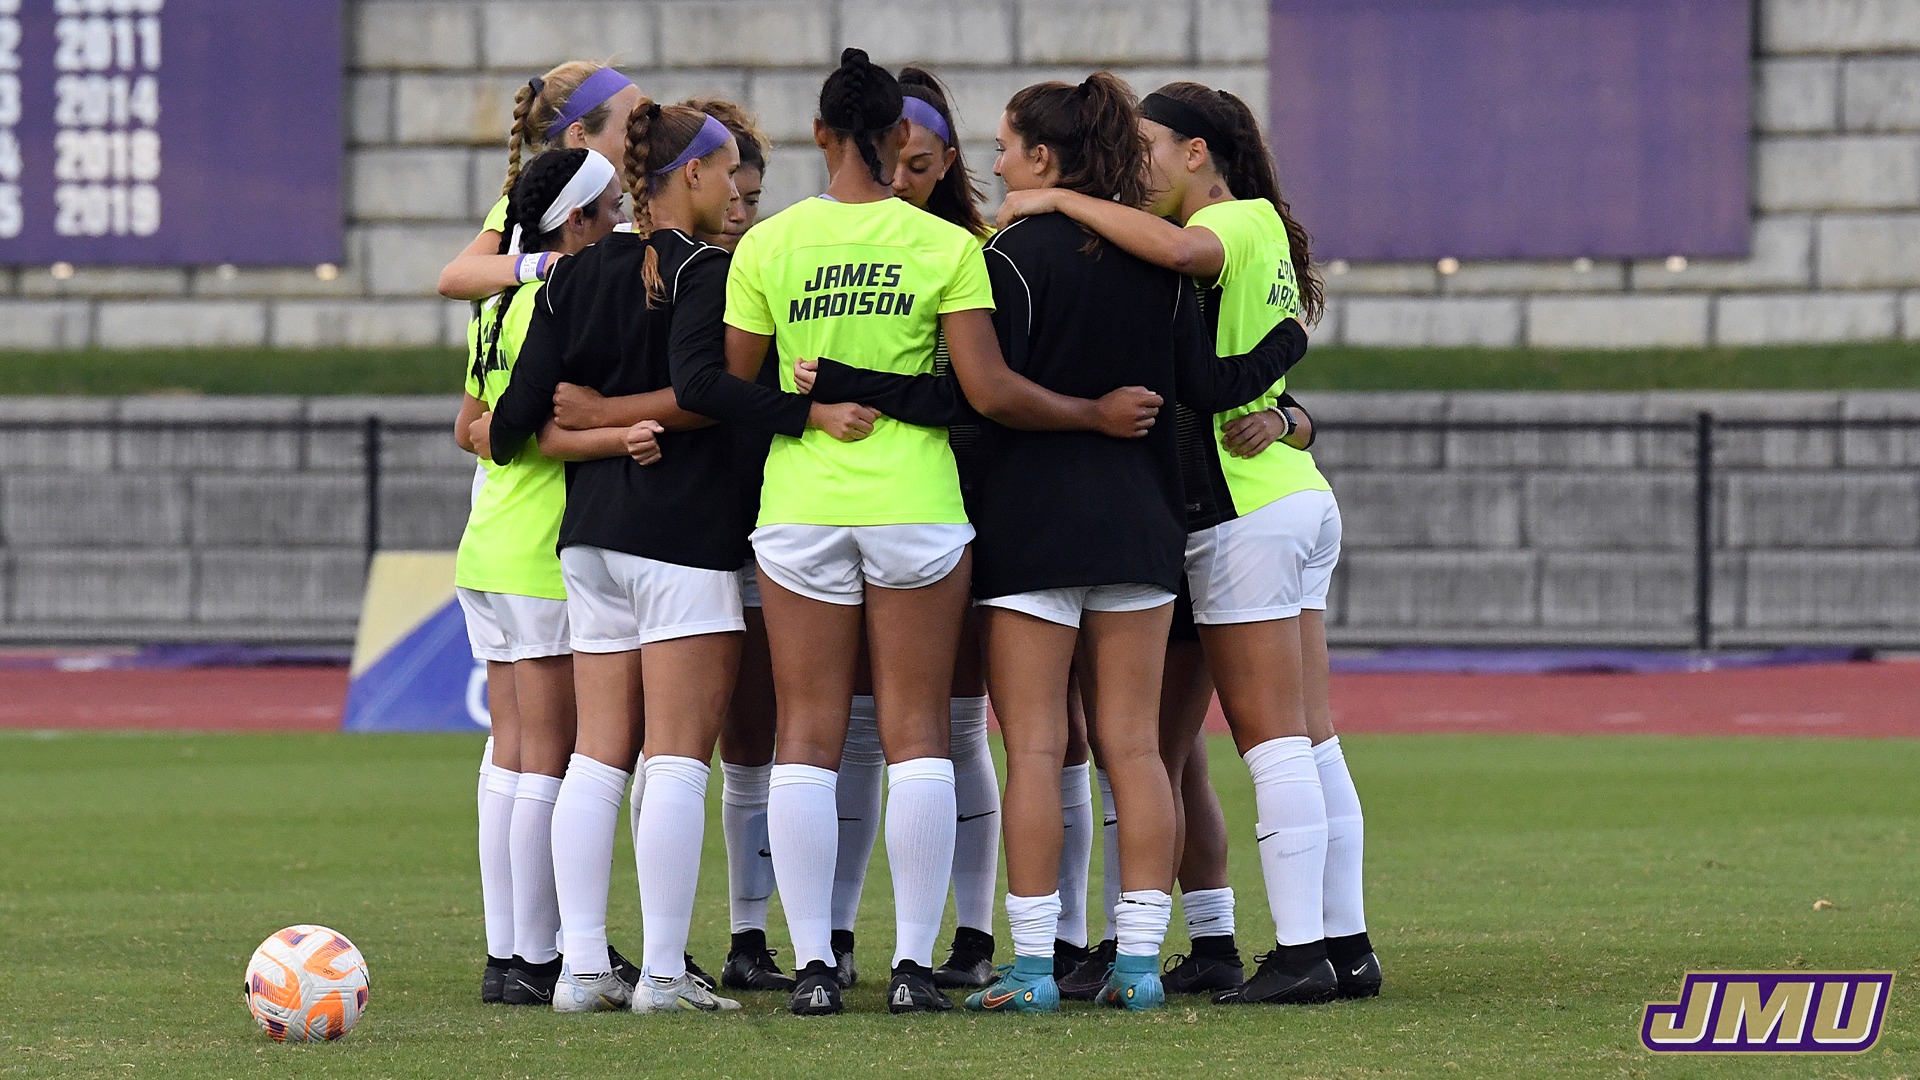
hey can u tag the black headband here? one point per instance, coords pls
(1186, 120)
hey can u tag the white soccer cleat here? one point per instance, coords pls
(593, 993)
(685, 993)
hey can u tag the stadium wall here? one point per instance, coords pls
(245, 520)
(1836, 169)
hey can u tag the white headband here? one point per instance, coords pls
(595, 174)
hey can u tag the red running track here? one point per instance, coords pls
(1880, 700)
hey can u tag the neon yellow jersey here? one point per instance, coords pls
(1257, 290)
(513, 532)
(864, 284)
(496, 220)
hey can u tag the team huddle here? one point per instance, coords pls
(814, 490)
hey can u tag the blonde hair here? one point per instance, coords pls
(656, 134)
(534, 113)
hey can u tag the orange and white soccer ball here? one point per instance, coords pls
(307, 984)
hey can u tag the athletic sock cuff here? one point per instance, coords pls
(926, 768)
(1074, 790)
(501, 782)
(745, 785)
(802, 776)
(685, 770)
(609, 780)
(537, 786)
(1329, 752)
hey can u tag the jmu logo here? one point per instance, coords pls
(1777, 1012)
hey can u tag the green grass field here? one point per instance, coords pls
(1528, 895)
(431, 371)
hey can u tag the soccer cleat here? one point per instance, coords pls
(750, 965)
(1085, 982)
(816, 991)
(1214, 965)
(699, 976)
(1134, 984)
(685, 993)
(1289, 975)
(1355, 965)
(530, 984)
(912, 990)
(493, 981)
(1066, 957)
(969, 965)
(623, 969)
(1020, 991)
(848, 974)
(599, 992)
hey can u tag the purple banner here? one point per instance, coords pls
(170, 132)
(1514, 129)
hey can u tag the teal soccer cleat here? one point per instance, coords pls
(1027, 986)
(1134, 984)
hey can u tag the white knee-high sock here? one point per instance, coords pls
(584, 818)
(634, 798)
(1032, 919)
(800, 813)
(1292, 835)
(863, 770)
(1343, 908)
(743, 818)
(673, 825)
(1109, 857)
(920, 823)
(497, 786)
(976, 802)
(1076, 853)
(536, 908)
(1140, 921)
(1209, 912)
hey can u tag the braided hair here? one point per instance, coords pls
(860, 101)
(527, 201)
(1246, 164)
(956, 198)
(656, 134)
(537, 105)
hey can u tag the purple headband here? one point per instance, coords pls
(711, 136)
(593, 91)
(922, 112)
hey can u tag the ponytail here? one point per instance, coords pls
(1093, 131)
(538, 104)
(533, 192)
(860, 101)
(1246, 165)
(656, 134)
(956, 198)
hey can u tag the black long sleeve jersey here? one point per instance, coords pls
(593, 326)
(1062, 509)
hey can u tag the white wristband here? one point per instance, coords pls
(529, 268)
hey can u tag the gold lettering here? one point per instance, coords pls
(1784, 1009)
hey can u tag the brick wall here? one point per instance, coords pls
(228, 532)
(1836, 244)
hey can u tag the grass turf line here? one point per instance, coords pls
(1529, 894)
(437, 371)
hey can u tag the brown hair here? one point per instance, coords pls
(1093, 130)
(1247, 166)
(656, 134)
(537, 105)
(956, 198)
(746, 130)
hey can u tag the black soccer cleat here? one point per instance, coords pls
(816, 991)
(912, 991)
(1355, 965)
(1066, 957)
(530, 984)
(493, 980)
(1213, 966)
(1289, 975)
(750, 965)
(699, 976)
(969, 965)
(847, 973)
(623, 969)
(1085, 982)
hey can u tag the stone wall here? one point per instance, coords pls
(1836, 242)
(250, 525)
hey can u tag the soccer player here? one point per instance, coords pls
(1265, 535)
(577, 104)
(872, 531)
(511, 591)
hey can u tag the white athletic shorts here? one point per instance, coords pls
(835, 563)
(505, 627)
(619, 602)
(1064, 606)
(1268, 565)
(749, 576)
